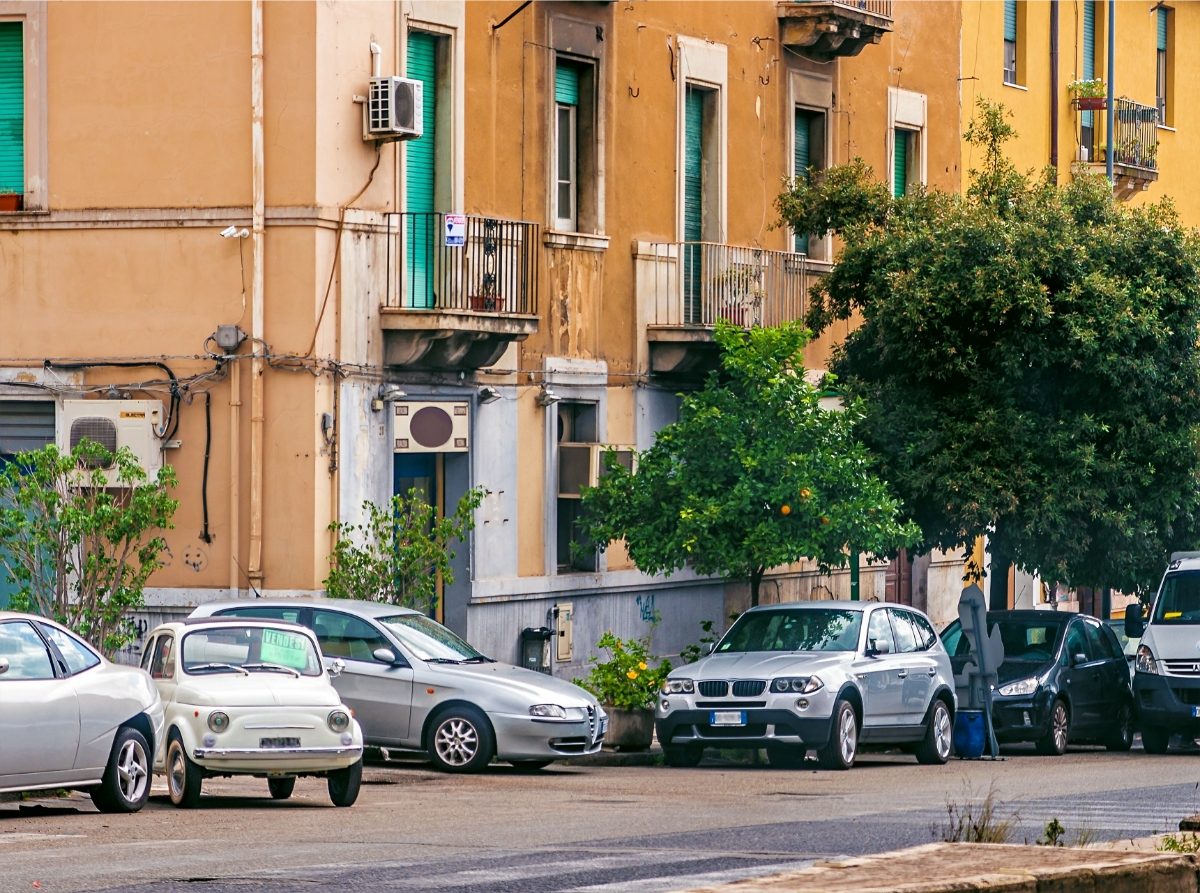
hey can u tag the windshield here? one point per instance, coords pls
(429, 640)
(1030, 639)
(232, 648)
(815, 629)
(1179, 601)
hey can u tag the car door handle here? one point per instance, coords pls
(903, 674)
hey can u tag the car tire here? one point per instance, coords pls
(281, 788)
(1155, 740)
(184, 778)
(529, 765)
(786, 756)
(460, 740)
(344, 784)
(842, 748)
(1122, 734)
(682, 756)
(1054, 742)
(935, 749)
(125, 786)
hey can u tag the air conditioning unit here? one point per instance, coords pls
(393, 109)
(426, 427)
(114, 424)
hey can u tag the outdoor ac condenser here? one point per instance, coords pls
(114, 424)
(394, 109)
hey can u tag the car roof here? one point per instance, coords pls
(1047, 617)
(353, 606)
(827, 604)
(188, 622)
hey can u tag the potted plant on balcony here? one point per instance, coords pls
(1088, 95)
(740, 294)
(626, 683)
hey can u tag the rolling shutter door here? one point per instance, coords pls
(900, 170)
(693, 201)
(420, 176)
(1089, 51)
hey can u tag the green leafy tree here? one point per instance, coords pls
(755, 474)
(79, 550)
(1028, 359)
(400, 551)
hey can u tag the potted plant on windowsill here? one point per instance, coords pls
(11, 201)
(626, 683)
(1088, 95)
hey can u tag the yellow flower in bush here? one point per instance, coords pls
(629, 678)
(642, 665)
(632, 674)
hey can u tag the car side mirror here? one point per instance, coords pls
(1134, 624)
(875, 648)
(708, 648)
(3, 665)
(1077, 659)
(385, 656)
(336, 667)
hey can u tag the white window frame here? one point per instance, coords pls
(811, 93)
(704, 64)
(33, 17)
(566, 222)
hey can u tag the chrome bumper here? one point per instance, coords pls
(270, 753)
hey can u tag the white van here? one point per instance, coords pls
(1166, 679)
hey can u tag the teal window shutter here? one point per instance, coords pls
(420, 174)
(900, 169)
(800, 162)
(693, 202)
(1089, 39)
(566, 83)
(1162, 28)
(12, 108)
(1010, 20)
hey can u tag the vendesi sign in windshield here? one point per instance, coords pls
(284, 648)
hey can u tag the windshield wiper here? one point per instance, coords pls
(477, 659)
(216, 668)
(442, 660)
(272, 668)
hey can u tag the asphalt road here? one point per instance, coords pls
(576, 828)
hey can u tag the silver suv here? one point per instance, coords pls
(821, 676)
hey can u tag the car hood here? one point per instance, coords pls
(1012, 670)
(537, 688)
(762, 664)
(1180, 641)
(257, 690)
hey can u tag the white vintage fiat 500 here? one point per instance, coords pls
(250, 697)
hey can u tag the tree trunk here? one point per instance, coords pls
(998, 583)
(756, 576)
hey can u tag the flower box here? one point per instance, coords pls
(11, 201)
(1090, 103)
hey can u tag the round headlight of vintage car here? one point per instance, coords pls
(339, 721)
(804, 685)
(218, 721)
(678, 687)
(548, 711)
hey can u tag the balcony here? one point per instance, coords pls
(1135, 147)
(825, 29)
(465, 288)
(684, 287)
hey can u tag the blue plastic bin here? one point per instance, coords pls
(968, 734)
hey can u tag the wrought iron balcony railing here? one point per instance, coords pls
(697, 283)
(462, 262)
(1135, 127)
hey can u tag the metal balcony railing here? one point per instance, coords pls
(457, 262)
(1135, 127)
(875, 7)
(697, 283)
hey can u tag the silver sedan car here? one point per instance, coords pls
(820, 676)
(415, 685)
(71, 719)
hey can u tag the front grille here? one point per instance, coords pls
(713, 689)
(591, 715)
(754, 731)
(748, 688)
(1189, 696)
(1182, 667)
(574, 744)
(728, 705)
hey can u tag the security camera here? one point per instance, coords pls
(232, 232)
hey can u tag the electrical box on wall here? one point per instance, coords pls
(428, 427)
(113, 424)
(564, 632)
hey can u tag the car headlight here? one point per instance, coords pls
(339, 721)
(218, 721)
(1145, 662)
(804, 685)
(678, 687)
(549, 711)
(1020, 687)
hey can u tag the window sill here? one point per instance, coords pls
(1020, 87)
(1169, 128)
(574, 241)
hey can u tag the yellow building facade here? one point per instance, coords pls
(223, 209)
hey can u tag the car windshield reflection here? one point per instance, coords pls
(247, 649)
(429, 640)
(818, 629)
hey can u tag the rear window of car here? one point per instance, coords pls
(813, 629)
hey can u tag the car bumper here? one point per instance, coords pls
(762, 726)
(535, 738)
(1168, 702)
(1021, 719)
(277, 759)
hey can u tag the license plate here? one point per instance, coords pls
(1196, 711)
(278, 742)
(727, 718)
(604, 726)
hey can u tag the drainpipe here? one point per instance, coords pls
(254, 570)
(1112, 29)
(235, 475)
(1054, 87)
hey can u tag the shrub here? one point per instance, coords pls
(627, 678)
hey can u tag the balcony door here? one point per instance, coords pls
(423, 230)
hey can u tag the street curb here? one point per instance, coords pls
(956, 867)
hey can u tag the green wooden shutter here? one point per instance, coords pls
(566, 83)
(1086, 119)
(12, 108)
(693, 201)
(800, 162)
(1162, 28)
(900, 169)
(420, 175)
(1010, 20)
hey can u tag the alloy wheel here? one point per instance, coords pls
(1059, 726)
(943, 734)
(847, 736)
(133, 770)
(456, 741)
